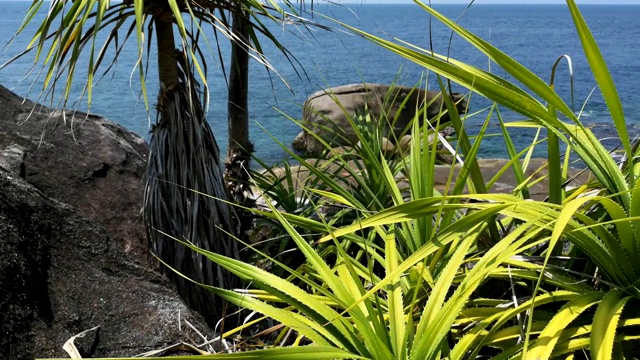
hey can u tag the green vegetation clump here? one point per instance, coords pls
(412, 270)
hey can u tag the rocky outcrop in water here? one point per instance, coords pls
(326, 113)
(72, 249)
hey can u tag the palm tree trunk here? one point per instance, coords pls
(167, 61)
(240, 148)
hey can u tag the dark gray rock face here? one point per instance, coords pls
(66, 268)
(81, 160)
(326, 113)
(61, 274)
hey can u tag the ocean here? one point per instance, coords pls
(534, 35)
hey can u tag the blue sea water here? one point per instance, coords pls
(534, 35)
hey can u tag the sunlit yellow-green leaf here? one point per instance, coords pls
(605, 324)
(544, 345)
(603, 77)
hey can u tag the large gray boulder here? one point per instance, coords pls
(72, 251)
(82, 160)
(326, 113)
(61, 274)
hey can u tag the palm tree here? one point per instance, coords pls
(239, 148)
(184, 161)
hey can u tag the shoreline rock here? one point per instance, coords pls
(327, 113)
(62, 274)
(73, 253)
(489, 168)
(82, 160)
